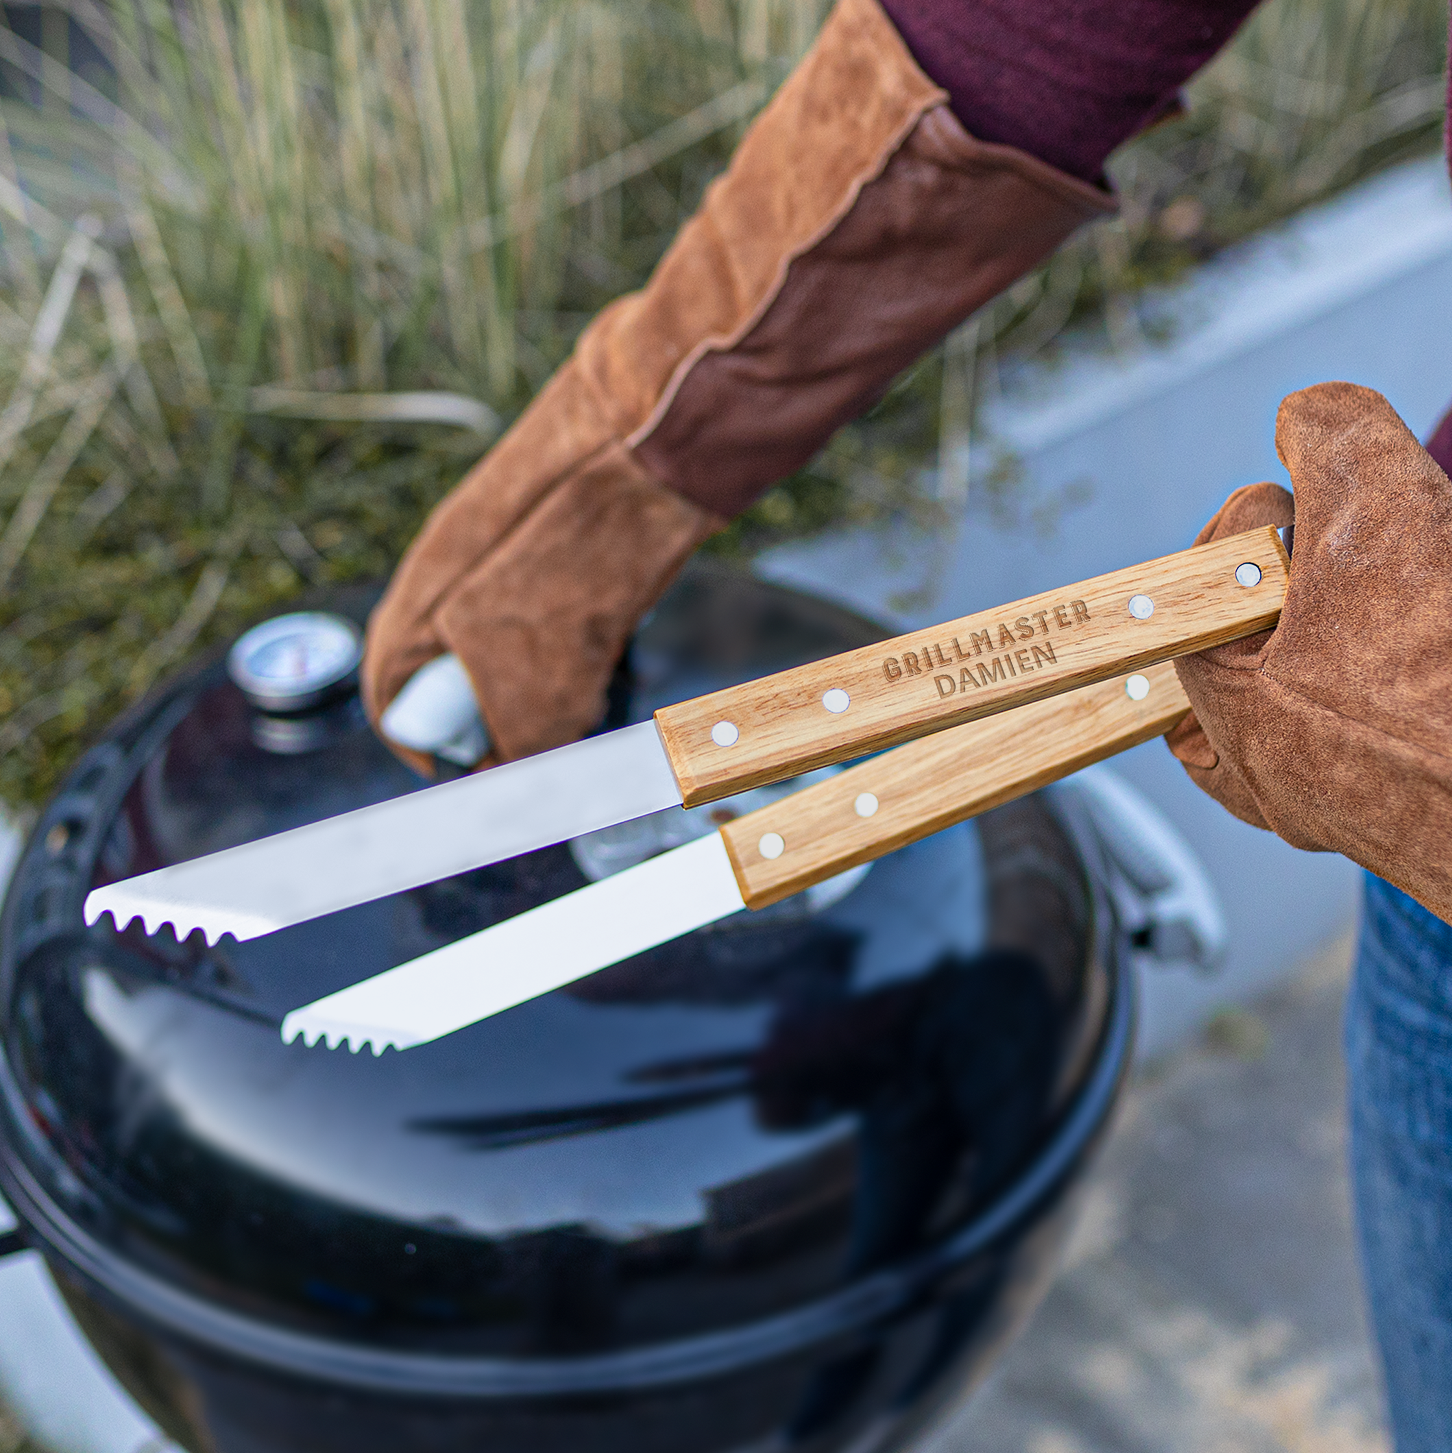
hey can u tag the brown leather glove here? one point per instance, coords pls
(857, 224)
(1335, 729)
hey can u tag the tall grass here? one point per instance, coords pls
(272, 273)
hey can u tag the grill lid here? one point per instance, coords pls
(720, 1131)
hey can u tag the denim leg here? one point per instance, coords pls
(1399, 1070)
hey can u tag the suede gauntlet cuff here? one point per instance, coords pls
(1335, 729)
(857, 224)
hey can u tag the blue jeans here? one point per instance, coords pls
(1399, 1068)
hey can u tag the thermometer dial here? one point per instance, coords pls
(294, 661)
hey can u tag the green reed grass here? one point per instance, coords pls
(272, 274)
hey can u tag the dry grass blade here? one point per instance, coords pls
(53, 469)
(126, 357)
(54, 309)
(431, 407)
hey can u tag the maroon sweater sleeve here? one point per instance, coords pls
(1064, 80)
(1439, 446)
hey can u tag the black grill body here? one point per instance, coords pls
(788, 1182)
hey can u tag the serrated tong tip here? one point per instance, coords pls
(313, 1030)
(125, 907)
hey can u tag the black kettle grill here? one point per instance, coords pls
(786, 1183)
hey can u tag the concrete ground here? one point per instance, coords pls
(1210, 1303)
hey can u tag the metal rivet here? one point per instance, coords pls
(836, 700)
(1247, 574)
(1137, 688)
(725, 734)
(865, 805)
(772, 845)
(1141, 607)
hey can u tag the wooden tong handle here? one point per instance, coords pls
(922, 788)
(861, 701)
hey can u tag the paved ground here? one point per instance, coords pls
(1210, 1304)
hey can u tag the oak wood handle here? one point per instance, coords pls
(861, 701)
(929, 785)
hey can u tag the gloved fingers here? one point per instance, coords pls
(1187, 740)
(437, 712)
(392, 657)
(1248, 508)
(1362, 480)
(1367, 494)
(397, 644)
(1209, 772)
(1334, 731)
(1370, 581)
(1324, 433)
(541, 622)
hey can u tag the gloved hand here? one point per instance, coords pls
(1335, 729)
(857, 224)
